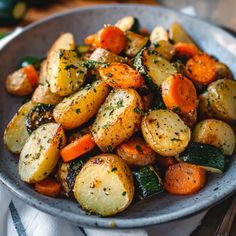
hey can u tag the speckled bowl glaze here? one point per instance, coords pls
(36, 40)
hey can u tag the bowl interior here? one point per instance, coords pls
(36, 40)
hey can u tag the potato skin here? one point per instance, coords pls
(78, 108)
(104, 185)
(65, 72)
(216, 133)
(16, 134)
(165, 132)
(41, 152)
(117, 119)
(219, 101)
(43, 94)
(18, 84)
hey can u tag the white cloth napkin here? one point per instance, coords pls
(18, 218)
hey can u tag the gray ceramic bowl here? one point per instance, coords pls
(37, 38)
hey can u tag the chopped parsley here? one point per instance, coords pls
(77, 111)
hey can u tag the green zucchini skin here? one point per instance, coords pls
(39, 115)
(205, 155)
(36, 62)
(12, 11)
(147, 181)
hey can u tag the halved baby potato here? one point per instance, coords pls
(78, 108)
(16, 134)
(66, 72)
(216, 133)
(219, 101)
(65, 41)
(165, 132)
(41, 152)
(104, 185)
(117, 119)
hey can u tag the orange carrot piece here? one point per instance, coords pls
(111, 38)
(120, 75)
(77, 148)
(166, 161)
(179, 92)
(48, 187)
(186, 50)
(184, 179)
(31, 75)
(90, 39)
(201, 68)
(136, 151)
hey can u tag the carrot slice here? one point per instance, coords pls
(201, 68)
(184, 179)
(120, 75)
(77, 148)
(166, 161)
(91, 39)
(179, 92)
(185, 50)
(135, 151)
(111, 38)
(31, 75)
(48, 187)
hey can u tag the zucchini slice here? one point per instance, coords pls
(153, 67)
(204, 155)
(135, 42)
(39, 115)
(147, 182)
(130, 23)
(12, 11)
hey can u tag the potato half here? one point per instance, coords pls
(104, 185)
(16, 134)
(165, 132)
(66, 72)
(77, 109)
(216, 133)
(219, 101)
(41, 152)
(117, 119)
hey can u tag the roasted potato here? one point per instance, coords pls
(66, 73)
(18, 83)
(104, 185)
(157, 34)
(104, 56)
(178, 34)
(165, 49)
(43, 94)
(223, 71)
(165, 132)
(216, 133)
(41, 152)
(65, 41)
(134, 43)
(78, 108)
(219, 101)
(43, 73)
(117, 119)
(16, 133)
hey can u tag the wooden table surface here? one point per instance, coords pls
(214, 216)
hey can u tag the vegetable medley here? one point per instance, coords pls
(122, 117)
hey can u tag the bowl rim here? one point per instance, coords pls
(112, 222)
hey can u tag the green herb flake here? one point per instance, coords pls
(77, 111)
(124, 193)
(120, 104)
(176, 139)
(114, 169)
(109, 74)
